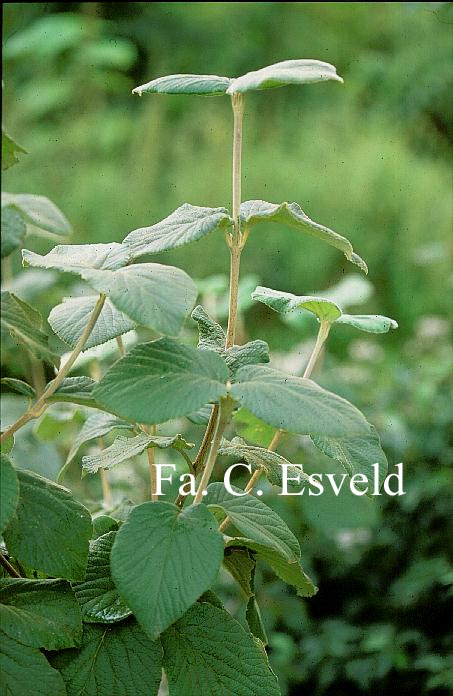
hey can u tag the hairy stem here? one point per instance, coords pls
(41, 405)
(8, 567)
(225, 410)
(324, 328)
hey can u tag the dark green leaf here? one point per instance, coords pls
(26, 672)
(284, 302)
(13, 230)
(207, 85)
(156, 296)
(161, 380)
(127, 447)
(97, 594)
(241, 564)
(113, 661)
(10, 150)
(9, 491)
(270, 463)
(77, 258)
(69, 319)
(208, 652)
(163, 559)
(50, 530)
(40, 613)
(255, 519)
(102, 524)
(25, 325)
(186, 224)
(40, 212)
(287, 72)
(255, 621)
(292, 215)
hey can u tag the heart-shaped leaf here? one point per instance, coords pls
(156, 296)
(76, 258)
(287, 72)
(163, 559)
(292, 215)
(186, 224)
(207, 85)
(161, 380)
(285, 302)
(69, 319)
(296, 404)
(97, 594)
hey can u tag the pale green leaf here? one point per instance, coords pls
(250, 353)
(291, 573)
(25, 325)
(26, 672)
(292, 215)
(18, 386)
(371, 323)
(50, 530)
(252, 428)
(211, 335)
(13, 230)
(76, 258)
(9, 491)
(97, 594)
(356, 454)
(156, 296)
(125, 448)
(270, 463)
(287, 72)
(186, 224)
(40, 613)
(209, 653)
(112, 661)
(10, 150)
(207, 85)
(40, 212)
(95, 426)
(284, 302)
(201, 416)
(296, 404)
(75, 390)
(162, 380)
(241, 565)
(163, 559)
(255, 519)
(69, 319)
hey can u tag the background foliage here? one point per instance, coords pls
(372, 160)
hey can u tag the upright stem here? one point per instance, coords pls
(324, 328)
(120, 344)
(225, 410)
(41, 405)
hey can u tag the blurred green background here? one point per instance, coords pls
(371, 159)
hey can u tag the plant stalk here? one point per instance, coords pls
(41, 405)
(225, 410)
(324, 328)
(8, 567)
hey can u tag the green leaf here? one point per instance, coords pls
(102, 524)
(208, 652)
(212, 337)
(18, 386)
(255, 621)
(163, 559)
(69, 319)
(97, 425)
(77, 258)
(201, 416)
(207, 85)
(26, 672)
(97, 594)
(241, 564)
(270, 463)
(186, 224)
(291, 573)
(13, 230)
(10, 150)
(356, 454)
(40, 212)
(6, 446)
(284, 302)
(9, 491)
(287, 72)
(296, 404)
(252, 428)
(25, 325)
(113, 661)
(255, 519)
(75, 390)
(50, 530)
(156, 296)
(127, 447)
(161, 380)
(371, 323)
(40, 613)
(292, 215)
